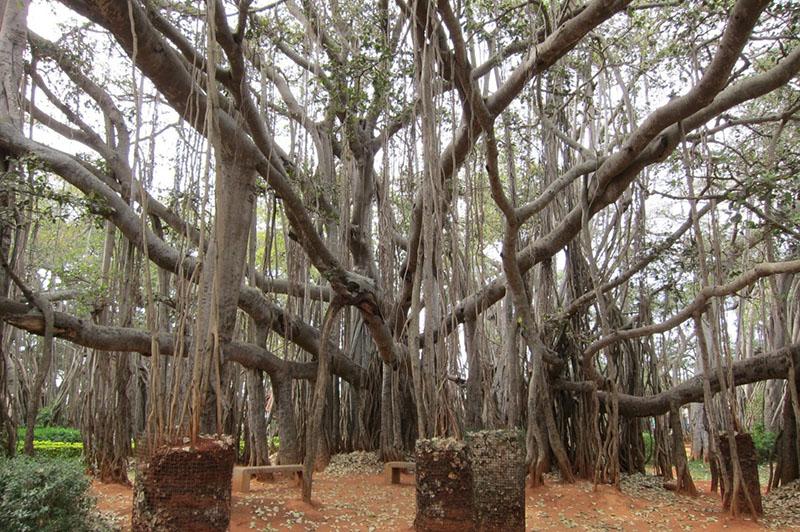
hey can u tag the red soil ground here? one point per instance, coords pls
(368, 503)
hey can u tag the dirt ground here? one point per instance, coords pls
(368, 503)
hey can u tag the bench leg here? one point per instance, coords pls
(395, 476)
(298, 478)
(241, 481)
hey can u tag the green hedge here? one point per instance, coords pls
(64, 434)
(39, 494)
(55, 449)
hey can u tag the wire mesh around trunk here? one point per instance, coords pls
(184, 487)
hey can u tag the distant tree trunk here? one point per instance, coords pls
(288, 449)
(684, 483)
(699, 434)
(773, 390)
(475, 391)
(42, 373)
(662, 448)
(106, 416)
(105, 425)
(314, 425)
(256, 420)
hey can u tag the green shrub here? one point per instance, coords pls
(44, 417)
(273, 444)
(764, 442)
(56, 449)
(648, 446)
(65, 434)
(45, 495)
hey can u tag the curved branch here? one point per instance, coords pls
(126, 339)
(764, 269)
(774, 365)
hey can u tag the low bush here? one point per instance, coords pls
(764, 442)
(44, 418)
(65, 434)
(39, 494)
(55, 449)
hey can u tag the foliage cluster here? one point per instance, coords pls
(45, 495)
(52, 434)
(273, 442)
(44, 418)
(764, 442)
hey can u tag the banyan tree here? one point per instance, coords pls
(352, 225)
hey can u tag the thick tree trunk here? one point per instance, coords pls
(474, 401)
(788, 462)
(221, 280)
(288, 449)
(699, 434)
(389, 413)
(511, 353)
(13, 39)
(256, 420)
(685, 484)
(314, 425)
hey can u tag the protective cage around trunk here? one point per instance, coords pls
(185, 487)
(497, 458)
(476, 484)
(444, 486)
(748, 459)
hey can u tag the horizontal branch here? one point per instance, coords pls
(774, 365)
(127, 339)
(764, 269)
(294, 288)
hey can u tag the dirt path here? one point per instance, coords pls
(367, 503)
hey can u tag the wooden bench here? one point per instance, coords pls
(392, 470)
(242, 474)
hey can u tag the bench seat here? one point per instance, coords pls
(243, 474)
(392, 470)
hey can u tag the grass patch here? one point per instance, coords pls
(702, 471)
